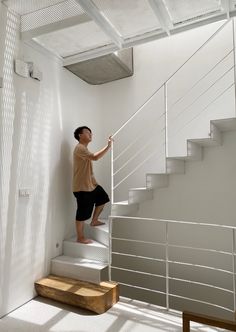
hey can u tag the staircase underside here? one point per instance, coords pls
(95, 297)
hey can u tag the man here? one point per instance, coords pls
(85, 188)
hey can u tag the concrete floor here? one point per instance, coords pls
(41, 315)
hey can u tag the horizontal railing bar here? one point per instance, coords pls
(139, 272)
(172, 278)
(178, 296)
(144, 146)
(174, 245)
(171, 221)
(137, 256)
(176, 262)
(143, 288)
(194, 118)
(137, 167)
(201, 249)
(193, 86)
(202, 94)
(200, 301)
(138, 241)
(133, 142)
(202, 284)
(201, 266)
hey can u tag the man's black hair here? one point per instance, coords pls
(79, 131)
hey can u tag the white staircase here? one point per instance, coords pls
(174, 165)
(86, 262)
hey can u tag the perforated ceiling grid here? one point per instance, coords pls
(131, 17)
(183, 10)
(70, 41)
(51, 14)
(133, 20)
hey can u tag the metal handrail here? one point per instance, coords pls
(164, 88)
(170, 77)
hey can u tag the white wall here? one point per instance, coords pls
(36, 132)
(37, 121)
(154, 63)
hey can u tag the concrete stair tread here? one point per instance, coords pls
(125, 203)
(225, 124)
(93, 244)
(122, 203)
(95, 297)
(181, 157)
(103, 228)
(141, 189)
(78, 261)
(205, 141)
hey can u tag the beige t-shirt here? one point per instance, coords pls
(83, 178)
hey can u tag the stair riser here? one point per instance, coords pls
(85, 251)
(157, 181)
(174, 166)
(194, 151)
(79, 272)
(216, 134)
(136, 196)
(123, 210)
(97, 234)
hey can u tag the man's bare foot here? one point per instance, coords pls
(84, 241)
(96, 223)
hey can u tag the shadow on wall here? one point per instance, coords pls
(61, 202)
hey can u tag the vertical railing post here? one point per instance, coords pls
(233, 25)
(166, 123)
(110, 247)
(112, 174)
(233, 266)
(167, 266)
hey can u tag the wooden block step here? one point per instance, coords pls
(95, 297)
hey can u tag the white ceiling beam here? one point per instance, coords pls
(90, 54)
(162, 14)
(45, 51)
(55, 26)
(100, 19)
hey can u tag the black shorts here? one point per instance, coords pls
(86, 201)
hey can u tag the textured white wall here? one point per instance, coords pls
(37, 121)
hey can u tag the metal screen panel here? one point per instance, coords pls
(52, 14)
(74, 40)
(183, 10)
(131, 17)
(22, 7)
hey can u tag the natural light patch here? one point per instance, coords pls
(74, 322)
(36, 313)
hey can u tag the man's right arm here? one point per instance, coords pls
(100, 154)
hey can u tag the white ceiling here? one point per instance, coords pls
(76, 30)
